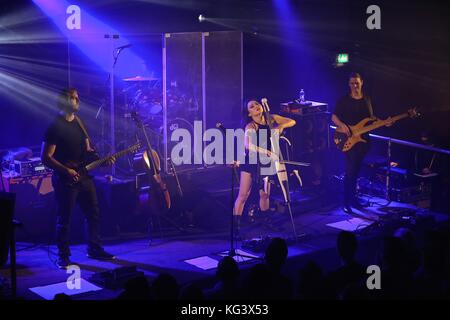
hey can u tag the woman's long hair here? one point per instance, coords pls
(246, 119)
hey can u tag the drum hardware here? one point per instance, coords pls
(139, 78)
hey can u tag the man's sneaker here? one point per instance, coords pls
(63, 262)
(100, 254)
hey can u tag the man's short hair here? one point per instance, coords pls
(62, 101)
(354, 75)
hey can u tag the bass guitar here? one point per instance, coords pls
(93, 161)
(345, 143)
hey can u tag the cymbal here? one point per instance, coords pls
(139, 78)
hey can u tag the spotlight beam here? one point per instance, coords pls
(90, 38)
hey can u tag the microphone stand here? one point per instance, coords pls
(112, 106)
(100, 114)
(388, 173)
(100, 110)
(232, 251)
(234, 177)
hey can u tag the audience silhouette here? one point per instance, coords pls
(411, 267)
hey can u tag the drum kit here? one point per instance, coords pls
(146, 99)
(144, 96)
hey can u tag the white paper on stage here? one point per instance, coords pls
(49, 292)
(353, 224)
(203, 262)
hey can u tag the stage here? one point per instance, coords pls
(173, 252)
(186, 113)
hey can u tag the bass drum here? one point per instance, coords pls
(172, 126)
(147, 103)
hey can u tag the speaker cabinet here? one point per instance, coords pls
(35, 206)
(118, 201)
(310, 134)
(310, 143)
(7, 202)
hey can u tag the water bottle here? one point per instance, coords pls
(302, 96)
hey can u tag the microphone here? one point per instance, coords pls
(99, 110)
(264, 103)
(124, 46)
(221, 127)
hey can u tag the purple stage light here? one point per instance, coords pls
(94, 38)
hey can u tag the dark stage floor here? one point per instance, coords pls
(168, 254)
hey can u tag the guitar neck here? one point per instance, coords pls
(147, 141)
(97, 163)
(381, 123)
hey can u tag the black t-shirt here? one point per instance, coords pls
(69, 139)
(351, 111)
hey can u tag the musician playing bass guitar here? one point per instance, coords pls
(66, 141)
(350, 110)
(252, 173)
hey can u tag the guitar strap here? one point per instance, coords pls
(369, 104)
(83, 128)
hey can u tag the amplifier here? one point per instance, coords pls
(116, 278)
(399, 178)
(30, 167)
(404, 194)
(34, 206)
(304, 109)
(40, 183)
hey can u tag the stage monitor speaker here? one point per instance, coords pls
(205, 199)
(7, 203)
(203, 203)
(118, 201)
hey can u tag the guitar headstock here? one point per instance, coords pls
(135, 147)
(414, 113)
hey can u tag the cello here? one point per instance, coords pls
(280, 164)
(152, 163)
